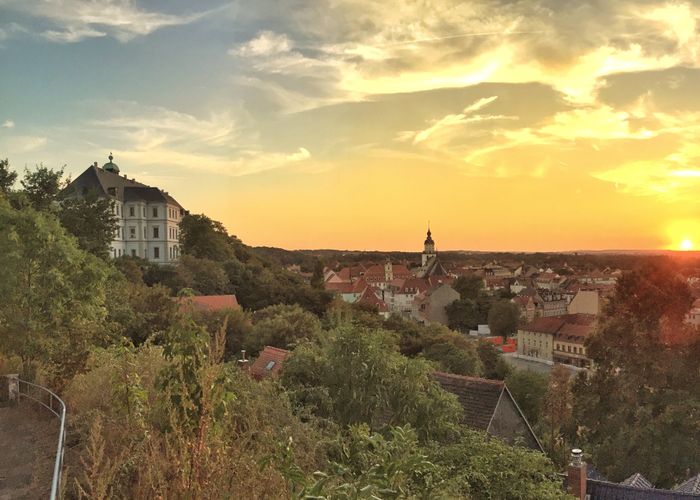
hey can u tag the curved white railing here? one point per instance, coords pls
(49, 400)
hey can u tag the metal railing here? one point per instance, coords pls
(49, 400)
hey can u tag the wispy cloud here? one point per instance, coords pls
(7, 124)
(76, 20)
(439, 126)
(221, 144)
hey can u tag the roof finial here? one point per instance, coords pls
(110, 156)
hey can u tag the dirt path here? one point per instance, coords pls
(28, 439)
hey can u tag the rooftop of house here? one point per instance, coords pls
(209, 303)
(108, 183)
(370, 299)
(479, 397)
(567, 326)
(269, 362)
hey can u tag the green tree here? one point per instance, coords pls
(282, 326)
(91, 220)
(370, 466)
(317, 278)
(204, 276)
(355, 376)
(495, 367)
(205, 238)
(7, 177)
(557, 408)
(53, 292)
(528, 388)
(645, 375)
(463, 315)
(491, 469)
(469, 287)
(504, 317)
(462, 360)
(42, 186)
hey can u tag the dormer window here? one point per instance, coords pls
(112, 191)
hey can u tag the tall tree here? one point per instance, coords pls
(645, 376)
(557, 410)
(469, 287)
(528, 388)
(205, 238)
(42, 185)
(356, 376)
(282, 326)
(463, 315)
(317, 278)
(7, 176)
(53, 293)
(504, 317)
(91, 220)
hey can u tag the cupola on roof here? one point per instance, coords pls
(111, 166)
(429, 239)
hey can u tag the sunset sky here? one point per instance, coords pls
(509, 125)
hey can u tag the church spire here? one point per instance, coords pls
(428, 248)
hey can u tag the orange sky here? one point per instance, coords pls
(349, 124)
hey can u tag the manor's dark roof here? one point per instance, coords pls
(119, 187)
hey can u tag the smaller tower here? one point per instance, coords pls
(388, 271)
(111, 166)
(428, 249)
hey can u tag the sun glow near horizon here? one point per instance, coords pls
(683, 234)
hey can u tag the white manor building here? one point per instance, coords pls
(148, 217)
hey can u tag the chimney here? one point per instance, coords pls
(577, 475)
(243, 363)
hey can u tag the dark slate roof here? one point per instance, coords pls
(636, 480)
(692, 485)
(122, 188)
(479, 397)
(603, 490)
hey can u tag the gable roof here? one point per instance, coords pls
(605, 490)
(566, 327)
(113, 185)
(637, 481)
(269, 362)
(370, 299)
(479, 397)
(208, 303)
(692, 485)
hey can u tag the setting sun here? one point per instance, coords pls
(686, 245)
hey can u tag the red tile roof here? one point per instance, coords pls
(574, 327)
(269, 362)
(370, 299)
(208, 303)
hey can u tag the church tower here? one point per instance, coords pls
(428, 249)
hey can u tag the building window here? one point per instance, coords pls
(132, 211)
(133, 252)
(144, 211)
(145, 253)
(144, 232)
(155, 211)
(156, 252)
(156, 233)
(132, 232)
